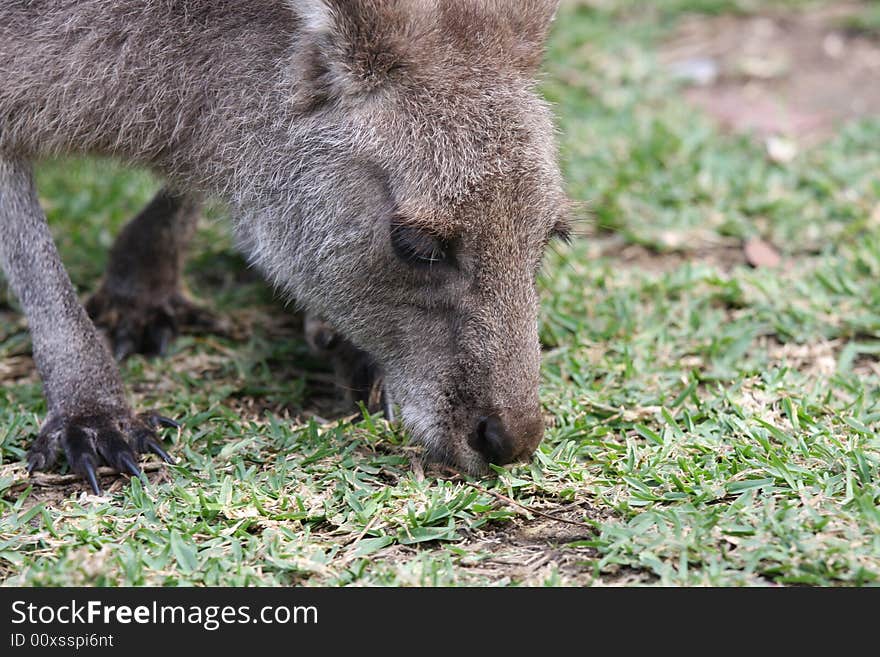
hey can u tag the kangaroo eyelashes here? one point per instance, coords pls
(562, 231)
(418, 247)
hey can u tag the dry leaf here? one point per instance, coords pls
(781, 150)
(760, 253)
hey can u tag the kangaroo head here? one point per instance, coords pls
(426, 191)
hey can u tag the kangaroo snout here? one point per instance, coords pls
(506, 437)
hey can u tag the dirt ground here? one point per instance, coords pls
(787, 79)
(796, 75)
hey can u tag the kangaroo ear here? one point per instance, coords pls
(316, 16)
(350, 47)
(512, 33)
(353, 46)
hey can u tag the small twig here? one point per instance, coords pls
(527, 509)
(325, 424)
(534, 564)
(350, 552)
(418, 469)
(48, 480)
(364, 531)
(311, 415)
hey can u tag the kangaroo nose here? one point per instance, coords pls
(501, 443)
(492, 440)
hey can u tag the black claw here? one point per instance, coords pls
(35, 461)
(89, 470)
(326, 339)
(130, 466)
(167, 422)
(124, 349)
(387, 406)
(158, 338)
(162, 343)
(156, 449)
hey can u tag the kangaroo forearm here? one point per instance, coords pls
(148, 254)
(66, 348)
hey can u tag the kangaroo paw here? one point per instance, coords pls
(88, 442)
(147, 326)
(358, 377)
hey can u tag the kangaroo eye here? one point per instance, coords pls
(418, 247)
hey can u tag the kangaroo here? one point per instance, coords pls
(388, 164)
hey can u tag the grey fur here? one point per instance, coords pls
(321, 123)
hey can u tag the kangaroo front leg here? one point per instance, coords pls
(89, 417)
(141, 305)
(358, 378)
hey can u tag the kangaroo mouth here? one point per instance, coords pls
(370, 388)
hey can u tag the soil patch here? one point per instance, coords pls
(797, 74)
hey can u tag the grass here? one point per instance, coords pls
(866, 22)
(711, 423)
